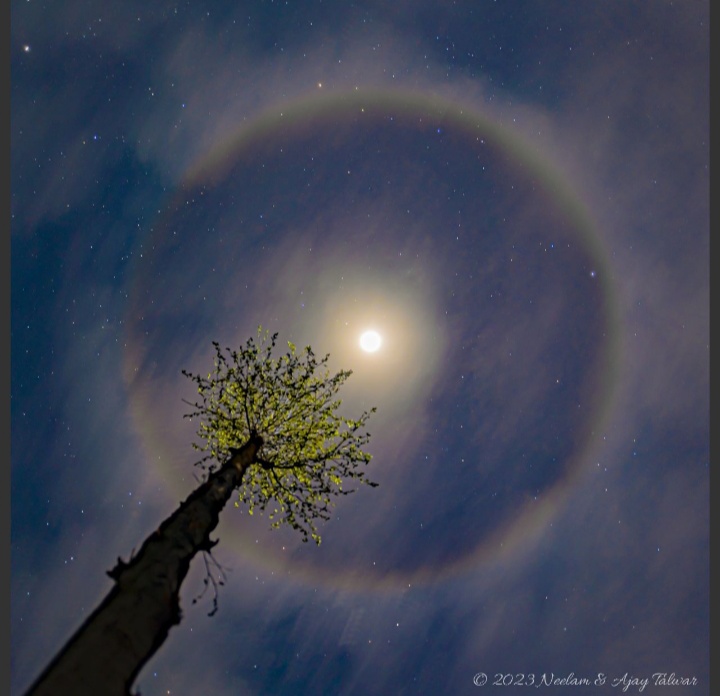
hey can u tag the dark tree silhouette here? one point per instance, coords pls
(269, 428)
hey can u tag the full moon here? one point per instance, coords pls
(370, 341)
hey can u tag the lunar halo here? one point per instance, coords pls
(329, 309)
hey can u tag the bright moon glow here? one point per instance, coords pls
(370, 341)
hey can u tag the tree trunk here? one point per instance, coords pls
(121, 635)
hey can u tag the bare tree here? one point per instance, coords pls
(270, 430)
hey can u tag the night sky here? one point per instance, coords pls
(514, 195)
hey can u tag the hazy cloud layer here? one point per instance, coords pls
(614, 582)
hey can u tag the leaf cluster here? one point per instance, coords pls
(309, 449)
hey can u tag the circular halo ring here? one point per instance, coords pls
(313, 111)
